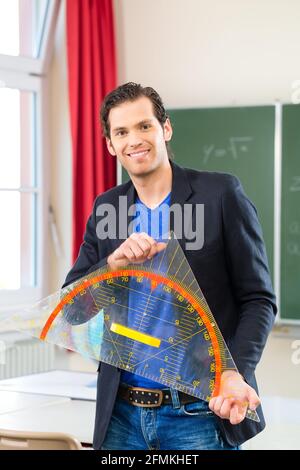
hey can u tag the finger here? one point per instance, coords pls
(253, 399)
(241, 414)
(145, 246)
(211, 403)
(161, 246)
(218, 404)
(145, 237)
(141, 246)
(129, 253)
(156, 248)
(237, 414)
(119, 255)
(136, 249)
(234, 414)
(226, 407)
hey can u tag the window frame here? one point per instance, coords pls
(39, 65)
(30, 74)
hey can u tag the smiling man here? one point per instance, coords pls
(231, 269)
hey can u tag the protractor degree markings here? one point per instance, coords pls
(103, 298)
(188, 272)
(163, 255)
(101, 304)
(188, 324)
(183, 335)
(157, 299)
(173, 345)
(180, 384)
(126, 307)
(123, 347)
(154, 297)
(149, 356)
(174, 354)
(175, 366)
(112, 340)
(142, 319)
(175, 342)
(170, 363)
(167, 322)
(94, 299)
(170, 381)
(100, 292)
(160, 300)
(174, 254)
(179, 267)
(157, 318)
(102, 289)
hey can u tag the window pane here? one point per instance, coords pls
(17, 239)
(21, 26)
(16, 141)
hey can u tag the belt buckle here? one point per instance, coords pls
(146, 393)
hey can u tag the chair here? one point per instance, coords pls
(27, 440)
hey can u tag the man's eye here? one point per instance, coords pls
(146, 126)
(120, 133)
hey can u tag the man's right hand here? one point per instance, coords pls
(136, 249)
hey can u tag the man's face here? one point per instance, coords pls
(137, 138)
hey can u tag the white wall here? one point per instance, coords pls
(210, 52)
(61, 158)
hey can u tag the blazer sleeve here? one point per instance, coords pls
(88, 259)
(250, 278)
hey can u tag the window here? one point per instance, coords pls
(21, 26)
(26, 38)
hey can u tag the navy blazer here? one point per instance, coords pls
(231, 270)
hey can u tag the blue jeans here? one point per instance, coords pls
(169, 427)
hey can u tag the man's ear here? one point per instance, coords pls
(168, 131)
(110, 147)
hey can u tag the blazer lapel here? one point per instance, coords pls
(181, 192)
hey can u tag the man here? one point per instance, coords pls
(231, 269)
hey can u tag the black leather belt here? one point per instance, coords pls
(152, 398)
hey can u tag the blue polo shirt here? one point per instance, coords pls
(155, 222)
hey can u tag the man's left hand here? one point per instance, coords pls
(235, 396)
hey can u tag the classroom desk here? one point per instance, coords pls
(11, 402)
(63, 401)
(66, 383)
(75, 417)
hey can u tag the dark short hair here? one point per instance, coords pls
(130, 92)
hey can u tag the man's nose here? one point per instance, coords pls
(134, 139)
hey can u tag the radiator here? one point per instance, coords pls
(22, 356)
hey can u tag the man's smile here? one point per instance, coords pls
(140, 153)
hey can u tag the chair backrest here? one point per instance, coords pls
(26, 440)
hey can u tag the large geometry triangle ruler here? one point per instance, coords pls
(150, 319)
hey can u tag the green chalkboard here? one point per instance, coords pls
(290, 213)
(236, 140)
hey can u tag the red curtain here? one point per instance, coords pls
(91, 75)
